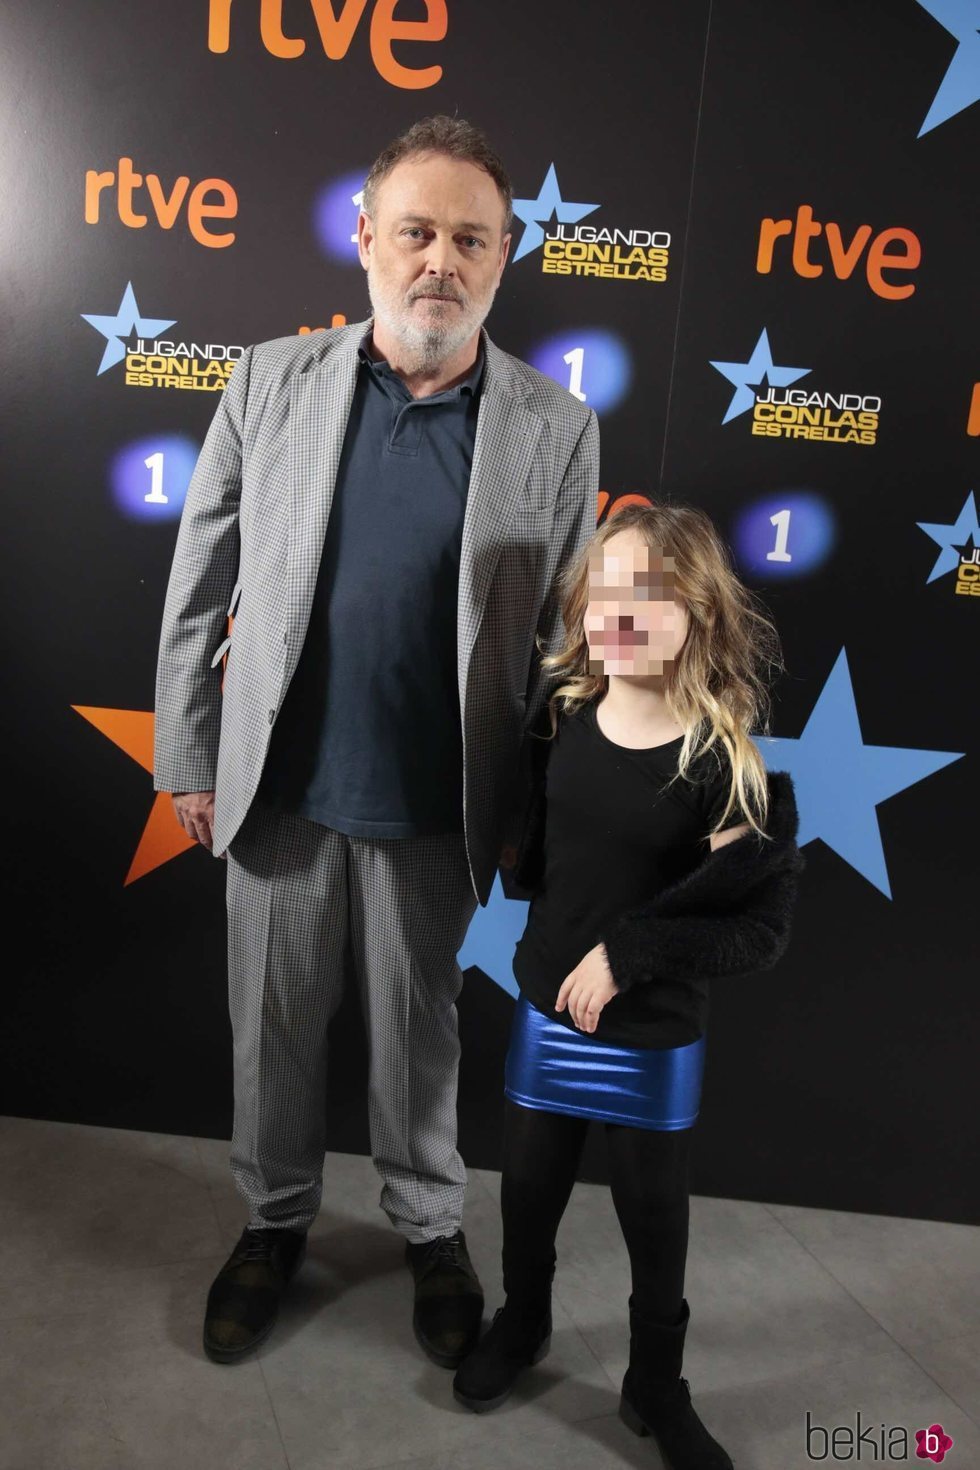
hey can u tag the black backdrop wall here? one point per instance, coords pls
(743, 236)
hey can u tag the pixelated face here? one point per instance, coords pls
(435, 252)
(634, 624)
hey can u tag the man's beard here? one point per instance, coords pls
(426, 347)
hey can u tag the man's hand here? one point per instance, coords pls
(195, 813)
(588, 989)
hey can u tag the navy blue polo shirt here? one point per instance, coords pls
(368, 739)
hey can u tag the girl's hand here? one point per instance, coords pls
(588, 989)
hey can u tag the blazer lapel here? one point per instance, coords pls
(507, 434)
(319, 406)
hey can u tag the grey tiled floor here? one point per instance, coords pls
(111, 1238)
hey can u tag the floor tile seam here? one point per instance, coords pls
(212, 1189)
(78, 1126)
(214, 1257)
(109, 1418)
(591, 1350)
(974, 1418)
(967, 1226)
(212, 1198)
(450, 1450)
(828, 1271)
(804, 1373)
(274, 1411)
(908, 1353)
(884, 1350)
(216, 1212)
(862, 1305)
(414, 1459)
(110, 1422)
(612, 1418)
(482, 1183)
(41, 1315)
(948, 1337)
(99, 1401)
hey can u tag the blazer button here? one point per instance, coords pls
(272, 715)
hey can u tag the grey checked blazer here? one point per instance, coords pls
(250, 540)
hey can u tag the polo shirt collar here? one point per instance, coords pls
(379, 365)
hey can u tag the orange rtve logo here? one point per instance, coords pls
(337, 320)
(843, 257)
(337, 32)
(613, 504)
(165, 207)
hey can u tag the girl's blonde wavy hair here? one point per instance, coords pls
(717, 687)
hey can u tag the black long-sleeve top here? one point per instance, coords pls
(610, 855)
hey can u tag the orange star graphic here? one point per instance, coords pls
(163, 837)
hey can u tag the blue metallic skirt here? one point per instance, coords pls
(552, 1067)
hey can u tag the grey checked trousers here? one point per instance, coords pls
(298, 893)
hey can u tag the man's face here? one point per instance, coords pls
(633, 622)
(434, 254)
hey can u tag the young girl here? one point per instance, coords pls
(648, 765)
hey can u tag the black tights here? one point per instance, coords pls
(649, 1177)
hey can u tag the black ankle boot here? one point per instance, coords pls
(657, 1401)
(519, 1335)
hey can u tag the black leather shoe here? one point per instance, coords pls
(243, 1302)
(514, 1342)
(448, 1298)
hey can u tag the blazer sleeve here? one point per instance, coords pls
(529, 864)
(644, 946)
(576, 508)
(202, 576)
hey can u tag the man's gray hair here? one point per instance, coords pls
(452, 136)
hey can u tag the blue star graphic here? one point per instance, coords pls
(760, 365)
(961, 85)
(492, 937)
(839, 780)
(949, 537)
(535, 212)
(125, 323)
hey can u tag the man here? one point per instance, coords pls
(384, 508)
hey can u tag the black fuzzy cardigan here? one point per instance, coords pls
(731, 915)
